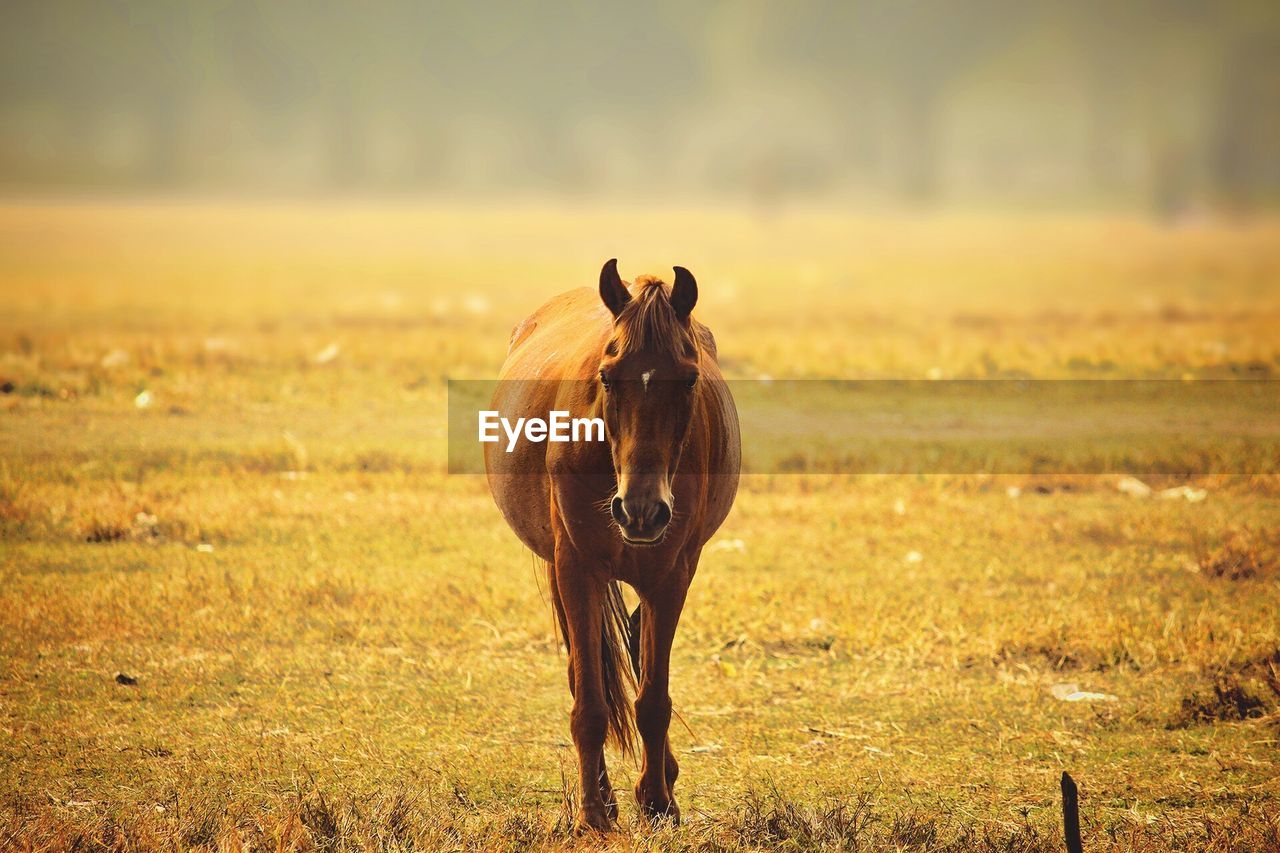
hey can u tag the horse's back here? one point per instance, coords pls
(553, 340)
(559, 341)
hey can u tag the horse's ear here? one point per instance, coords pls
(684, 293)
(612, 291)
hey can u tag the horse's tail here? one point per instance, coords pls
(616, 665)
(633, 640)
(617, 659)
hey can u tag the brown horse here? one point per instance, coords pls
(636, 508)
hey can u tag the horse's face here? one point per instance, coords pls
(648, 395)
(648, 403)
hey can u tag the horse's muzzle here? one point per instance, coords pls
(642, 522)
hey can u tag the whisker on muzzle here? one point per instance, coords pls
(605, 506)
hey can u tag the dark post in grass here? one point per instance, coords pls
(1071, 813)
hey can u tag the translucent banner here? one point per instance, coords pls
(1172, 427)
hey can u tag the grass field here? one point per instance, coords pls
(223, 483)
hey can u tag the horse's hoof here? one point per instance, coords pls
(592, 822)
(661, 812)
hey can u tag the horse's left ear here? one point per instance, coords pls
(684, 293)
(612, 291)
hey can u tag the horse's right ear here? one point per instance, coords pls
(612, 291)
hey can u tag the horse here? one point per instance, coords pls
(636, 508)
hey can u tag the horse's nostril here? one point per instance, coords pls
(640, 519)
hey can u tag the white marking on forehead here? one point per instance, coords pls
(644, 377)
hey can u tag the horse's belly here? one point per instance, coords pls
(518, 479)
(524, 500)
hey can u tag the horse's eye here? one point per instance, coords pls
(691, 381)
(604, 380)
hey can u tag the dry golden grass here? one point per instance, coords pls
(337, 645)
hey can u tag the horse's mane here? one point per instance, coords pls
(649, 321)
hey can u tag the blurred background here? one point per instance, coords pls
(1168, 106)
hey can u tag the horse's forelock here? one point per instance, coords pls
(649, 321)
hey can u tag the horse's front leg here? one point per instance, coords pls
(581, 595)
(658, 619)
(607, 794)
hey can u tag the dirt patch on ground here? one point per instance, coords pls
(1229, 699)
(1242, 554)
(1251, 692)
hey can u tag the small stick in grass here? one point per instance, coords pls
(1071, 813)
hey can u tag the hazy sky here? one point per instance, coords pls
(1162, 102)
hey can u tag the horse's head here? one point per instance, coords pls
(648, 378)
